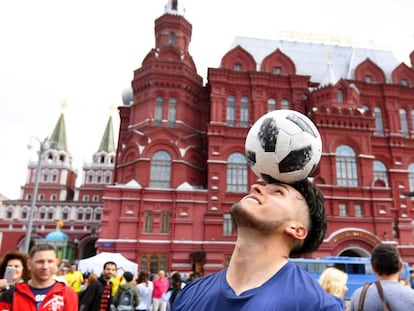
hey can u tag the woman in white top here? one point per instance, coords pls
(145, 288)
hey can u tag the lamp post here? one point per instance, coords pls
(44, 145)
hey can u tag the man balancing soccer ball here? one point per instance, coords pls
(284, 217)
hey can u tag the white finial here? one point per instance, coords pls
(175, 7)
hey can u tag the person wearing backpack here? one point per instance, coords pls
(126, 297)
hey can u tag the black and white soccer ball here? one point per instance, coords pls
(283, 145)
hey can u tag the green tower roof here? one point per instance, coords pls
(58, 138)
(107, 142)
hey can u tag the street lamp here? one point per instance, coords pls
(44, 145)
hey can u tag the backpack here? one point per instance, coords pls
(126, 299)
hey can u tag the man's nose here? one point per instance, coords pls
(256, 188)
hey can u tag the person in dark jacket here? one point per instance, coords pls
(98, 295)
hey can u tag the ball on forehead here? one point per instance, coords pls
(283, 145)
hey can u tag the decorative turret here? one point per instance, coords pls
(168, 104)
(172, 29)
(58, 177)
(99, 173)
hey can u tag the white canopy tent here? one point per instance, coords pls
(95, 264)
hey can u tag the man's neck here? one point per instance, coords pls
(40, 283)
(391, 277)
(253, 263)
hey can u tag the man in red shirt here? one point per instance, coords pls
(42, 292)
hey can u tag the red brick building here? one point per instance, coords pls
(180, 163)
(58, 200)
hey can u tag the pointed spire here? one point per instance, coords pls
(58, 138)
(175, 7)
(107, 142)
(330, 77)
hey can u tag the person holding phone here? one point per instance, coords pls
(13, 269)
(41, 292)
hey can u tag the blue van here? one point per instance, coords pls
(359, 269)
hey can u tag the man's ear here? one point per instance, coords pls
(297, 231)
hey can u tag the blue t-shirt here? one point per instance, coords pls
(40, 293)
(290, 289)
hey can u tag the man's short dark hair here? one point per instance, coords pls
(316, 205)
(109, 263)
(385, 259)
(40, 248)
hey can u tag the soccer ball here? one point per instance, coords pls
(283, 145)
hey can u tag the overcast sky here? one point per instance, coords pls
(84, 52)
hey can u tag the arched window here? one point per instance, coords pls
(24, 213)
(411, 176)
(380, 174)
(271, 104)
(42, 213)
(160, 170)
(412, 119)
(108, 178)
(379, 128)
(45, 175)
(237, 171)
(172, 111)
(404, 123)
(284, 104)
(89, 179)
(65, 213)
(159, 104)
(244, 112)
(9, 212)
(50, 214)
(230, 111)
(171, 39)
(80, 212)
(99, 177)
(238, 67)
(88, 213)
(98, 214)
(404, 82)
(340, 96)
(54, 176)
(346, 168)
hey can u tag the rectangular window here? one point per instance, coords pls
(165, 222)
(238, 67)
(153, 262)
(277, 70)
(159, 103)
(172, 112)
(227, 225)
(342, 210)
(244, 112)
(358, 210)
(148, 219)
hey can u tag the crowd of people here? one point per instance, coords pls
(274, 222)
(38, 275)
